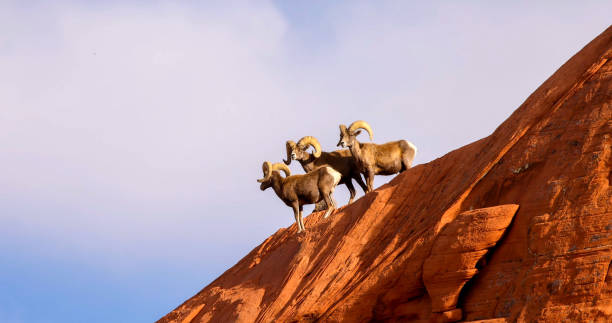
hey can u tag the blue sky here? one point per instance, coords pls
(132, 132)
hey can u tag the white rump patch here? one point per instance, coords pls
(335, 174)
(411, 145)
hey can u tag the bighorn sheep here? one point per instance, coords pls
(340, 160)
(298, 190)
(373, 159)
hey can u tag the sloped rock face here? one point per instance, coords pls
(460, 246)
(376, 258)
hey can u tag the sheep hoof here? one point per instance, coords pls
(327, 213)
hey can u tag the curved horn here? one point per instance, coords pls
(290, 145)
(266, 167)
(281, 166)
(361, 125)
(311, 141)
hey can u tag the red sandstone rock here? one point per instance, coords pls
(456, 251)
(553, 157)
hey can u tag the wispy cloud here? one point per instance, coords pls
(131, 134)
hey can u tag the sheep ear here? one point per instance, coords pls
(356, 133)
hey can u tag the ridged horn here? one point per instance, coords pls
(281, 166)
(311, 141)
(266, 167)
(360, 124)
(289, 145)
(343, 131)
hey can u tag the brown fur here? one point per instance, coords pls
(340, 160)
(373, 159)
(297, 190)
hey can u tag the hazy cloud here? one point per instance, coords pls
(131, 135)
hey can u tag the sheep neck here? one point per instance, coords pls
(356, 152)
(277, 184)
(308, 164)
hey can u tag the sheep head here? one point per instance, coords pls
(268, 168)
(348, 136)
(300, 152)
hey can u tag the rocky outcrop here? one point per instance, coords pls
(413, 251)
(460, 246)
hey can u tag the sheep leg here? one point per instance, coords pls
(370, 180)
(330, 204)
(331, 198)
(406, 164)
(359, 181)
(301, 218)
(296, 214)
(351, 188)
